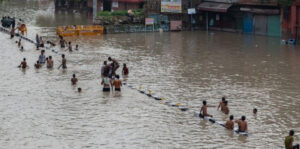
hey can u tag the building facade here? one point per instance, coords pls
(113, 5)
(291, 20)
(246, 16)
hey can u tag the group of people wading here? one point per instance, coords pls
(110, 80)
(242, 123)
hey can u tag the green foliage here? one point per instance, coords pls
(119, 13)
(104, 13)
(285, 3)
(139, 12)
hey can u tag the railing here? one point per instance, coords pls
(80, 30)
(135, 28)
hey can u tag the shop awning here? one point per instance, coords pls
(214, 6)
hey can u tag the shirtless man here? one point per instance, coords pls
(115, 63)
(225, 107)
(23, 64)
(42, 42)
(125, 71)
(222, 103)
(117, 83)
(50, 62)
(63, 62)
(230, 124)
(203, 110)
(74, 80)
(37, 65)
(242, 123)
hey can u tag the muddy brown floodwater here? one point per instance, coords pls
(41, 109)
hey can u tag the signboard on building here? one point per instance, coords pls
(176, 26)
(191, 11)
(149, 21)
(171, 6)
(115, 4)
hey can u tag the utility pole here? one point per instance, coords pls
(94, 9)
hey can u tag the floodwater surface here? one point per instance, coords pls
(41, 109)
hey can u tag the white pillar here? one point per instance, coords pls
(94, 9)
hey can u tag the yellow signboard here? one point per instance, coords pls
(171, 6)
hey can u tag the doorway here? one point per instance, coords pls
(107, 5)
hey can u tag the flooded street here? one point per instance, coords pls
(41, 109)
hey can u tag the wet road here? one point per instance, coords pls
(41, 109)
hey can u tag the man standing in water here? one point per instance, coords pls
(42, 57)
(229, 124)
(115, 64)
(117, 83)
(37, 65)
(125, 71)
(62, 42)
(203, 110)
(288, 142)
(23, 64)
(225, 107)
(74, 80)
(242, 123)
(63, 62)
(104, 69)
(37, 40)
(106, 82)
(222, 103)
(50, 62)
